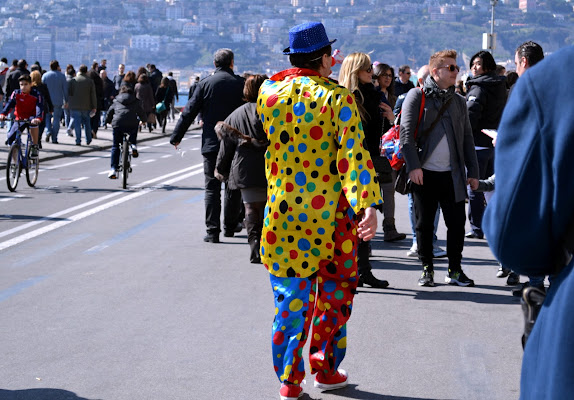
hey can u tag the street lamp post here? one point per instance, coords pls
(492, 35)
(489, 39)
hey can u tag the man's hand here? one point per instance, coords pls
(35, 121)
(473, 182)
(2, 117)
(368, 224)
(416, 176)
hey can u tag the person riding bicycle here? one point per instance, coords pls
(123, 115)
(29, 105)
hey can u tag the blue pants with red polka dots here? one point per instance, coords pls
(322, 302)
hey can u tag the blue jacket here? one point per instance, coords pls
(57, 87)
(530, 210)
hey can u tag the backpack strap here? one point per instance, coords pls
(421, 111)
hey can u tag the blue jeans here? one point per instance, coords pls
(80, 118)
(118, 139)
(53, 122)
(414, 223)
(476, 200)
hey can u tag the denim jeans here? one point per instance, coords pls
(82, 117)
(53, 122)
(118, 139)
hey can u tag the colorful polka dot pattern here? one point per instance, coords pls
(315, 154)
(296, 311)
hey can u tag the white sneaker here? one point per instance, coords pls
(413, 251)
(113, 174)
(437, 252)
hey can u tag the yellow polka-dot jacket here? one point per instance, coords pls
(315, 155)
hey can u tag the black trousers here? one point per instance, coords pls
(438, 189)
(232, 205)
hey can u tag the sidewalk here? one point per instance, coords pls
(66, 146)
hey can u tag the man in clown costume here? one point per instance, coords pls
(321, 197)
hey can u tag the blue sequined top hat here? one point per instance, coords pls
(307, 37)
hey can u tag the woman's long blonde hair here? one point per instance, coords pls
(349, 76)
(36, 78)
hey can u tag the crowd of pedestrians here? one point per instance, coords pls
(298, 154)
(80, 100)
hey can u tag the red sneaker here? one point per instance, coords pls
(337, 381)
(290, 392)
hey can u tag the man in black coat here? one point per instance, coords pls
(403, 83)
(11, 83)
(215, 97)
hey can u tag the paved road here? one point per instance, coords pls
(111, 294)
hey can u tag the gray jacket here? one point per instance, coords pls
(460, 139)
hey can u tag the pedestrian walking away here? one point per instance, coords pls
(321, 193)
(215, 97)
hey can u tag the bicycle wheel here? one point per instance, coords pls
(32, 168)
(13, 167)
(125, 162)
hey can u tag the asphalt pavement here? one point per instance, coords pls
(111, 294)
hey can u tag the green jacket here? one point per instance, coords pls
(82, 93)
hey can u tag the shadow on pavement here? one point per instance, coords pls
(438, 294)
(352, 392)
(473, 297)
(39, 394)
(29, 218)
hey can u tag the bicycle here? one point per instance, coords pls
(125, 166)
(19, 158)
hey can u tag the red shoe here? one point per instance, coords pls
(337, 381)
(290, 392)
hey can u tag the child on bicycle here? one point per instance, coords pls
(29, 105)
(123, 115)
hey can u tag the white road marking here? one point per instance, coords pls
(92, 211)
(167, 156)
(160, 144)
(82, 178)
(73, 163)
(103, 172)
(148, 161)
(95, 201)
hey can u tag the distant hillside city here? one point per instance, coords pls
(181, 36)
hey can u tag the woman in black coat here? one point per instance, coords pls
(241, 161)
(164, 93)
(485, 101)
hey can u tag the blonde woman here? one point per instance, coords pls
(36, 77)
(357, 75)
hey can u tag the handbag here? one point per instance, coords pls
(160, 107)
(390, 146)
(403, 183)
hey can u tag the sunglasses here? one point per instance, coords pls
(369, 70)
(451, 67)
(385, 76)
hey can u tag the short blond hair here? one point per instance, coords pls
(438, 58)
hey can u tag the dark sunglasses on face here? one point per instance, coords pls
(451, 67)
(369, 70)
(385, 76)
